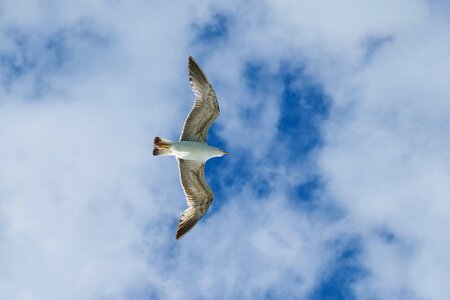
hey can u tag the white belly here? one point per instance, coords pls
(194, 151)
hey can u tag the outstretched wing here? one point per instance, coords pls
(197, 191)
(206, 108)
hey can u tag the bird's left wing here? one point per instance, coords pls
(206, 108)
(197, 191)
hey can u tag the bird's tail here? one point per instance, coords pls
(162, 146)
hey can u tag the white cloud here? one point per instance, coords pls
(87, 213)
(394, 155)
(385, 158)
(79, 218)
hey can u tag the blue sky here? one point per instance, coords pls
(335, 114)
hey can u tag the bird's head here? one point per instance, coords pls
(222, 152)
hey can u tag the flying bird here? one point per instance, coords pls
(192, 150)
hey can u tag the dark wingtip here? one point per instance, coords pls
(157, 140)
(186, 223)
(181, 233)
(192, 62)
(155, 151)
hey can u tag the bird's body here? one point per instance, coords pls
(192, 151)
(195, 151)
(187, 150)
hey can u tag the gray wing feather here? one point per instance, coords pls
(197, 191)
(206, 108)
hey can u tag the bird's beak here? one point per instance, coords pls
(225, 152)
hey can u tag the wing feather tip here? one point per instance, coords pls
(179, 234)
(191, 59)
(184, 227)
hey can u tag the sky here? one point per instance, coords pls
(336, 115)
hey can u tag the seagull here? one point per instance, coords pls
(192, 150)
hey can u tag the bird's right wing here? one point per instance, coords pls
(206, 108)
(197, 191)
